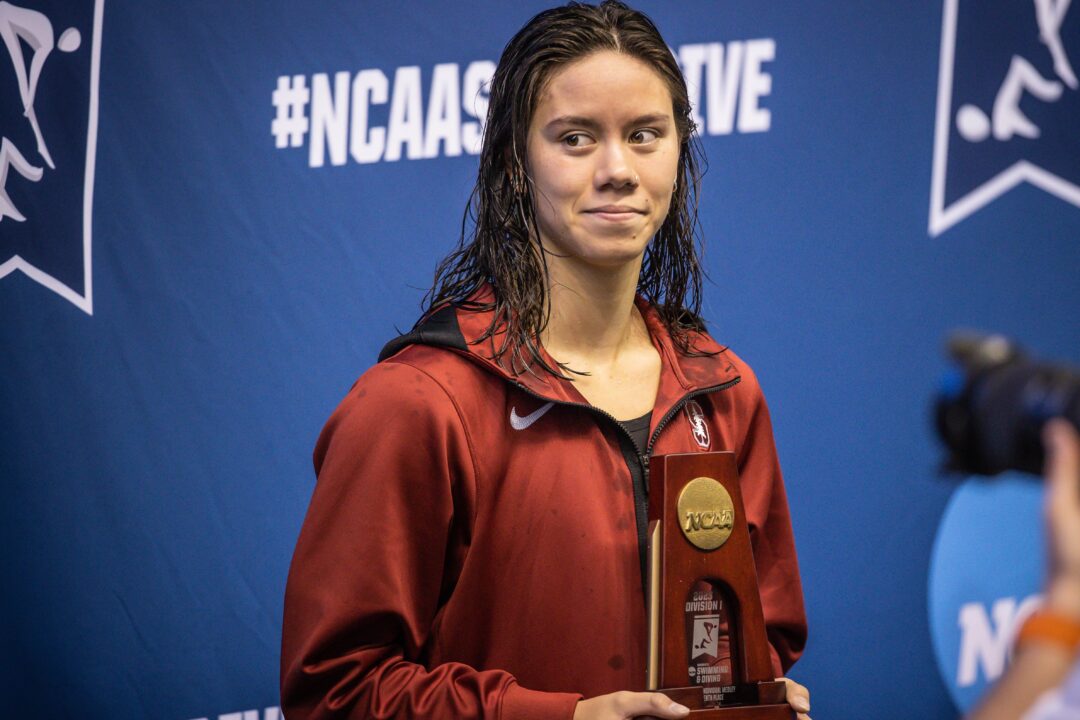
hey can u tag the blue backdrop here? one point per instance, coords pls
(212, 215)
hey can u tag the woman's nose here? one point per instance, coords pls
(615, 169)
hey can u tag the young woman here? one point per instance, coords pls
(475, 542)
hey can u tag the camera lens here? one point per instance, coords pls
(993, 403)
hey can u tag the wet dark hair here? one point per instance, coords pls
(501, 250)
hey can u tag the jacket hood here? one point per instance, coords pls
(439, 329)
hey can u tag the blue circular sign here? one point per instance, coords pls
(986, 574)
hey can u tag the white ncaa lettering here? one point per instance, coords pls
(475, 101)
(520, 423)
(329, 119)
(370, 87)
(443, 113)
(406, 124)
(985, 644)
(445, 118)
(416, 127)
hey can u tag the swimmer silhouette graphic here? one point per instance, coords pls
(19, 26)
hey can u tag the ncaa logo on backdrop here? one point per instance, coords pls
(1008, 105)
(986, 573)
(49, 64)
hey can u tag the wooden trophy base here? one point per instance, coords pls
(745, 712)
(771, 694)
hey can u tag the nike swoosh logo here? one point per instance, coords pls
(520, 423)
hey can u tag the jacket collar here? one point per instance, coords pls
(459, 330)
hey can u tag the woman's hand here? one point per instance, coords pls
(626, 705)
(1063, 516)
(1040, 666)
(798, 697)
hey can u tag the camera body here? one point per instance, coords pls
(993, 405)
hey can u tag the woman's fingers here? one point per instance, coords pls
(1063, 514)
(627, 705)
(634, 704)
(798, 697)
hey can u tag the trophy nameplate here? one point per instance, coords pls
(707, 644)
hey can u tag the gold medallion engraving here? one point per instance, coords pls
(706, 513)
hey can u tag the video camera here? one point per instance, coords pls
(993, 404)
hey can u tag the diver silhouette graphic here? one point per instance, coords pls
(10, 157)
(704, 641)
(50, 67)
(18, 26)
(1006, 119)
(1039, 74)
(707, 640)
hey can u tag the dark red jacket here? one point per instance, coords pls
(453, 566)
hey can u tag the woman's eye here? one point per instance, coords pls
(644, 136)
(576, 140)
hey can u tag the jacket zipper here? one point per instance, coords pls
(672, 413)
(640, 482)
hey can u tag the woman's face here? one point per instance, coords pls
(603, 154)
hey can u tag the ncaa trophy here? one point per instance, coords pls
(707, 645)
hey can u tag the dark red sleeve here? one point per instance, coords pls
(773, 539)
(395, 476)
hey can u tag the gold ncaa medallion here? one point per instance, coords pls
(706, 513)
